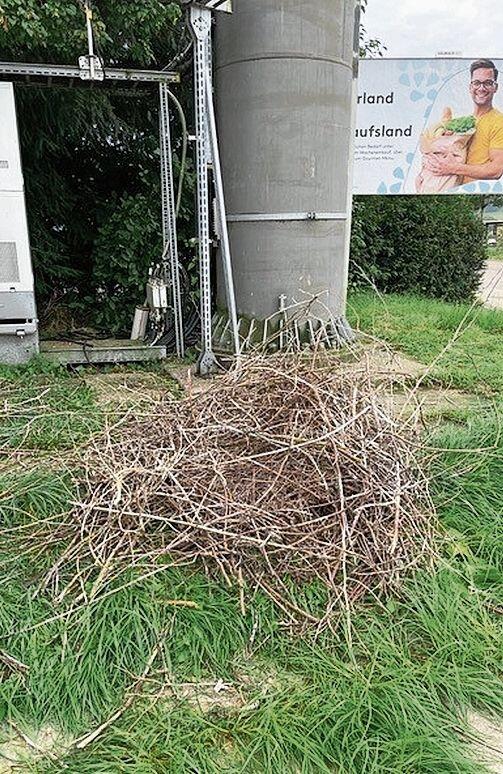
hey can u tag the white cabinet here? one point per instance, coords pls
(18, 323)
(11, 174)
(15, 260)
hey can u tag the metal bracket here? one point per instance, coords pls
(208, 154)
(200, 22)
(212, 5)
(91, 68)
(259, 217)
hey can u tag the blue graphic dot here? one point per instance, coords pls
(416, 96)
(433, 79)
(410, 158)
(404, 78)
(398, 172)
(470, 188)
(419, 78)
(395, 188)
(382, 189)
(432, 94)
(497, 188)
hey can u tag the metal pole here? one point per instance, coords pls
(200, 21)
(226, 250)
(353, 115)
(90, 40)
(169, 230)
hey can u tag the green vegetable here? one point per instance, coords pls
(461, 125)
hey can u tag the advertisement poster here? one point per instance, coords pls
(429, 126)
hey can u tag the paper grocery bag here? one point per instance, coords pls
(448, 146)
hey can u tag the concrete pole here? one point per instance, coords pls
(285, 75)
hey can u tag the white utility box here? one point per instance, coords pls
(18, 317)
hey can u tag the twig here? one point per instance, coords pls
(83, 741)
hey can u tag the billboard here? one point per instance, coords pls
(429, 126)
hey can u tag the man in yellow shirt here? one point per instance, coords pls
(485, 153)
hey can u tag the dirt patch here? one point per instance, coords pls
(489, 745)
(429, 404)
(126, 391)
(188, 380)
(253, 682)
(20, 749)
(379, 360)
(407, 395)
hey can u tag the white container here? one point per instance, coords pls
(18, 318)
(11, 174)
(15, 258)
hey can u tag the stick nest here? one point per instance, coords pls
(285, 471)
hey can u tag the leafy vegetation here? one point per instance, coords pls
(91, 158)
(461, 125)
(432, 246)
(495, 253)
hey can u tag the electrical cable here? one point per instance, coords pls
(185, 143)
(181, 55)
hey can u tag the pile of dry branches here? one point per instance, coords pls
(284, 471)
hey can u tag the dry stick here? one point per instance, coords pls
(286, 465)
(87, 739)
(27, 740)
(13, 663)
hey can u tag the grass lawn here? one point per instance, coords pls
(463, 344)
(495, 253)
(239, 693)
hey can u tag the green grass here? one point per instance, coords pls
(495, 253)
(45, 408)
(469, 489)
(424, 329)
(41, 493)
(392, 702)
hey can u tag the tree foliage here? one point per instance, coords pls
(369, 47)
(91, 157)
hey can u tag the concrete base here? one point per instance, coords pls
(94, 352)
(16, 350)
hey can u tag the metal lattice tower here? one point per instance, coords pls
(208, 155)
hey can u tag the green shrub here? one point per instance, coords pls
(432, 245)
(127, 244)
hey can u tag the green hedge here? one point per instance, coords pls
(433, 245)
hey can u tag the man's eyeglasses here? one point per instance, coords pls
(486, 84)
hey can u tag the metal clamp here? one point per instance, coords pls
(259, 217)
